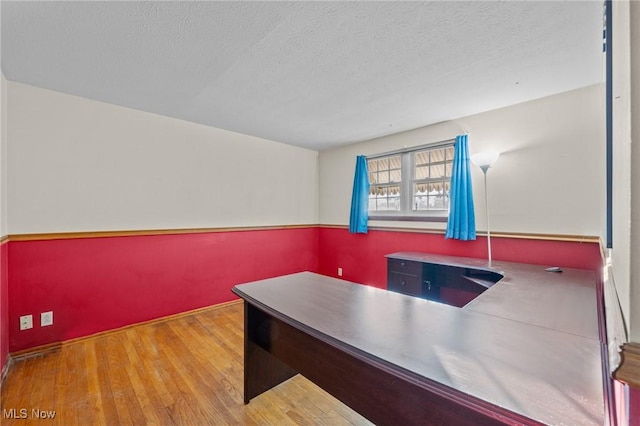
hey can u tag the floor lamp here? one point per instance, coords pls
(484, 160)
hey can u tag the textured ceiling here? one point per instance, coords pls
(312, 74)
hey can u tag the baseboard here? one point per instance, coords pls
(51, 347)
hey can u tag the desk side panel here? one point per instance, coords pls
(262, 371)
(384, 395)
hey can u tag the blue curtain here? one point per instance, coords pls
(462, 218)
(360, 198)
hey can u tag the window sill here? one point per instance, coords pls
(415, 218)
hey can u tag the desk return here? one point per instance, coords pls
(453, 285)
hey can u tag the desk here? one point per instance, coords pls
(397, 359)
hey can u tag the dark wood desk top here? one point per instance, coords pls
(508, 347)
(562, 301)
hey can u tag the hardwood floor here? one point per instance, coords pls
(182, 371)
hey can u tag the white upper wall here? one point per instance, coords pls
(82, 165)
(3, 155)
(634, 48)
(620, 254)
(550, 177)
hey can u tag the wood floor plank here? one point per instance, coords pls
(200, 371)
(147, 380)
(161, 373)
(147, 397)
(22, 391)
(108, 403)
(186, 376)
(208, 355)
(96, 408)
(181, 371)
(127, 404)
(185, 405)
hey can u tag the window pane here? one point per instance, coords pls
(437, 171)
(422, 157)
(383, 177)
(435, 188)
(395, 175)
(439, 195)
(420, 199)
(449, 153)
(372, 203)
(431, 196)
(448, 168)
(372, 165)
(394, 162)
(437, 155)
(436, 203)
(422, 172)
(394, 203)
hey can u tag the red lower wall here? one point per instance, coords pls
(634, 406)
(361, 256)
(97, 284)
(4, 307)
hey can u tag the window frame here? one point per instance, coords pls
(407, 180)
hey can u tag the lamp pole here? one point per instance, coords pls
(486, 210)
(484, 160)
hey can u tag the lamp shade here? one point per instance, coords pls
(485, 158)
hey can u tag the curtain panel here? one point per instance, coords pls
(360, 198)
(462, 220)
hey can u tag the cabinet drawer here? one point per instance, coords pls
(406, 284)
(405, 267)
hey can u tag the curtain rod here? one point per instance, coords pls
(413, 148)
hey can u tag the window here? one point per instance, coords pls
(385, 176)
(412, 184)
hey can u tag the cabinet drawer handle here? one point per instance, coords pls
(403, 283)
(428, 283)
(402, 263)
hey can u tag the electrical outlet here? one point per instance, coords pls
(26, 322)
(46, 318)
(339, 272)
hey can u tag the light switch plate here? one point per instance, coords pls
(26, 322)
(46, 318)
